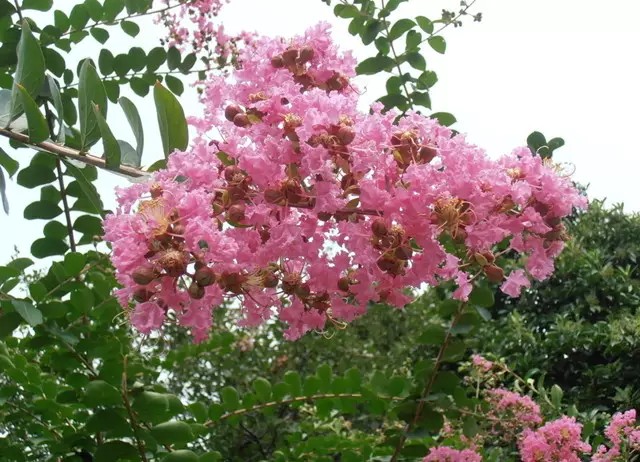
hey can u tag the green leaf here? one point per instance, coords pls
(345, 11)
(426, 80)
(109, 142)
(29, 70)
(414, 39)
(470, 427)
(374, 65)
(138, 58)
(79, 17)
(128, 155)
(111, 9)
(433, 334)
(425, 24)
(74, 262)
(122, 64)
(9, 164)
(181, 455)
(90, 194)
(40, 5)
(482, 296)
(29, 313)
(130, 28)
(35, 175)
(57, 104)
(105, 61)
(173, 58)
(438, 43)
(44, 210)
(188, 62)
(173, 433)
(38, 129)
(371, 31)
(444, 118)
(173, 125)
(262, 388)
(139, 86)
(108, 420)
(417, 61)
(133, 117)
(94, 8)
(101, 35)
(90, 91)
(156, 58)
(112, 451)
(556, 395)
(46, 247)
(61, 21)
(399, 28)
(101, 393)
(54, 61)
(230, 398)
(174, 84)
(3, 193)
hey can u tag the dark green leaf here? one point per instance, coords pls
(139, 86)
(9, 164)
(182, 455)
(40, 5)
(425, 24)
(399, 28)
(54, 61)
(57, 104)
(122, 64)
(174, 84)
(138, 58)
(130, 28)
(46, 247)
(38, 129)
(371, 31)
(444, 118)
(101, 393)
(188, 62)
(109, 142)
(61, 21)
(90, 194)
(112, 451)
(417, 61)
(128, 155)
(173, 433)
(156, 58)
(230, 398)
(105, 61)
(437, 43)
(79, 17)
(374, 65)
(173, 125)
(112, 8)
(35, 175)
(101, 35)
(90, 91)
(482, 296)
(94, 8)
(345, 11)
(426, 80)
(133, 117)
(414, 39)
(29, 70)
(44, 210)
(173, 58)
(29, 313)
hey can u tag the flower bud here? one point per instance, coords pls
(346, 135)
(231, 111)
(204, 276)
(270, 280)
(144, 275)
(290, 56)
(231, 173)
(494, 273)
(303, 290)
(174, 262)
(241, 120)
(343, 284)
(235, 213)
(196, 291)
(404, 252)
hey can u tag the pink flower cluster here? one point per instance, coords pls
(481, 364)
(446, 454)
(510, 412)
(624, 435)
(555, 441)
(301, 206)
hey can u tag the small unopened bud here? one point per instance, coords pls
(427, 153)
(480, 259)
(232, 172)
(196, 291)
(303, 290)
(277, 61)
(306, 54)
(144, 275)
(269, 280)
(231, 111)
(379, 228)
(403, 252)
(241, 120)
(155, 190)
(494, 273)
(204, 276)
(386, 263)
(290, 56)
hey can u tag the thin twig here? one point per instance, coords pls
(396, 61)
(453, 21)
(73, 154)
(36, 417)
(132, 417)
(428, 385)
(18, 10)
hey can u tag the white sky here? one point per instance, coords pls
(567, 68)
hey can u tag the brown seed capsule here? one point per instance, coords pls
(379, 228)
(303, 290)
(231, 111)
(403, 252)
(344, 284)
(144, 275)
(494, 273)
(346, 135)
(427, 154)
(232, 173)
(204, 276)
(196, 291)
(306, 54)
(290, 56)
(174, 262)
(235, 213)
(241, 120)
(142, 294)
(277, 61)
(270, 280)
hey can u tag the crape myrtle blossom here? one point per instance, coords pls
(446, 454)
(301, 206)
(624, 436)
(558, 440)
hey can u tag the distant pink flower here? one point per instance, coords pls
(623, 434)
(446, 454)
(555, 441)
(481, 363)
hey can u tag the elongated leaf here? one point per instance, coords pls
(87, 187)
(173, 125)
(29, 70)
(57, 103)
(9, 164)
(128, 155)
(38, 129)
(3, 193)
(109, 142)
(29, 313)
(90, 91)
(131, 112)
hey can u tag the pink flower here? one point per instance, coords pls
(446, 454)
(514, 283)
(558, 440)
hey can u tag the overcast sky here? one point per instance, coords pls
(567, 68)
